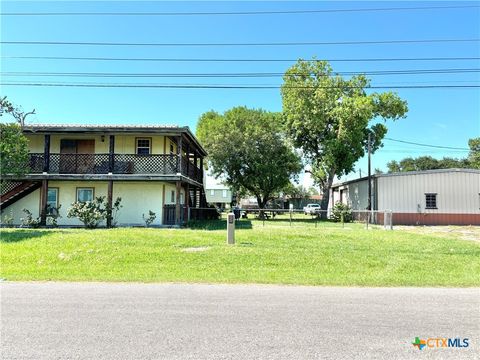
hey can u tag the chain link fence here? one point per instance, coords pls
(294, 218)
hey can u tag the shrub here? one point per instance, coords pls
(150, 218)
(113, 211)
(29, 220)
(53, 213)
(8, 219)
(91, 213)
(340, 209)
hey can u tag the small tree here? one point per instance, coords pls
(341, 210)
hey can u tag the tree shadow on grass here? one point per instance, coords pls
(218, 224)
(23, 235)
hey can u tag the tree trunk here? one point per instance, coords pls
(261, 205)
(326, 194)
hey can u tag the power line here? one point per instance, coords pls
(258, 12)
(426, 145)
(205, 86)
(236, 60)
(239, 75)
(374, 42)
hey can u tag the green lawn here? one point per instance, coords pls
(326, 254)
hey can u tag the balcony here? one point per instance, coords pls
(121, 164)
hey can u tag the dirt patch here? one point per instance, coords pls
(471, 233)
(196, 249)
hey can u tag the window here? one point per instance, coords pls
(224, 193)
(430, 201)
(143, 146)
(181, 199)
(212, 192)
(52, 200)
(172, 197)
(84, 194)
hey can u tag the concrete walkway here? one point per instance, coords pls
(175, 321)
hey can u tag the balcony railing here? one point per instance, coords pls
(165, 164)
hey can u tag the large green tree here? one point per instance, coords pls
(13, 150)
(474, 156)
(330, 118)
(430, 163)
(248, 149)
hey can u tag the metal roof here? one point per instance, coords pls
(172, 130)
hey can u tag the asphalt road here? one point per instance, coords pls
(173, 321)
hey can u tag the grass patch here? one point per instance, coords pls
(277, 253)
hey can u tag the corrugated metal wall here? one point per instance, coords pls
(457, 192)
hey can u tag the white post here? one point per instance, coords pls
(230, 228)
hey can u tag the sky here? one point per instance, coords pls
(439, 116)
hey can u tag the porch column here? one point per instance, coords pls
(195, 162)
(179, 153)
(46, 154)
(111, 152)
(187, 200)
(109, 203)
(43, 203)
(187, 148)
(178, 220)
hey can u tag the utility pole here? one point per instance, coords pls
(360, 172)
(369, 173)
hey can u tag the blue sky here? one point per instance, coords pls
(437, 116)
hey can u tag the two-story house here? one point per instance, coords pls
(157, 168)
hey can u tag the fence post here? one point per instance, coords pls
(366, 219)
(342, 219)
(230, 228)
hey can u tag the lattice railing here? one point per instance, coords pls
(145, 164)
(6, 186)
(79, 163)
(122, 164)
(37, 162)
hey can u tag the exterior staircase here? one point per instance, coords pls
(13, 191)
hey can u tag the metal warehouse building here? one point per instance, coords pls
(432, 197)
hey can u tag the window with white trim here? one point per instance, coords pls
(172, 196)
(224, 193)
(144, 146)
(52, 200)
(430, 201)
(212, 192)
(84, 194)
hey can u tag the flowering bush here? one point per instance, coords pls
(91, 213)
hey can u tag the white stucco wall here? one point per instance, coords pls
(138, 197)
(457, 192)
(124, 144)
